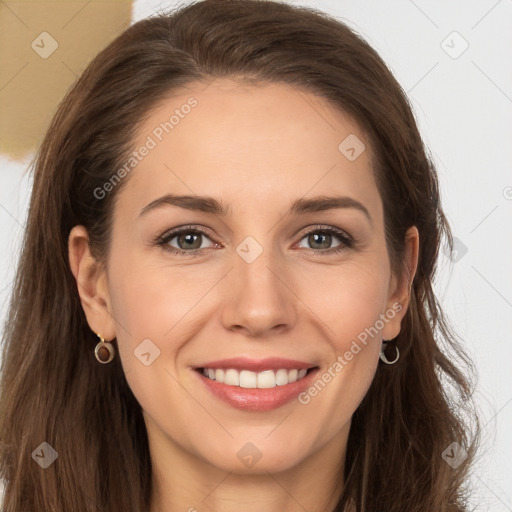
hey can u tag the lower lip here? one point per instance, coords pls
(256, 399)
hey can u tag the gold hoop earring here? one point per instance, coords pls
(104, 351)
(383, 357)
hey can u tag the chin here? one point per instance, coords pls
(248, 457)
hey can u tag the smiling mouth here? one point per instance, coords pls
(255, 380)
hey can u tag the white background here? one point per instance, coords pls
(464, 109)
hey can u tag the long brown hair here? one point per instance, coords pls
(52, 388)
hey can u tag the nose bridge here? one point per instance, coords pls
(255, 264)
(259, 299)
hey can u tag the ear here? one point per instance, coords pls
(92, 283)
(400, 286)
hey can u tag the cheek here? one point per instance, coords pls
(150, 310)
(347, 300)
(144, 305)
(145, 293)
(151, 301)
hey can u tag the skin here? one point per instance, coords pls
(246, 146)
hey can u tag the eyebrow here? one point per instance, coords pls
(210, 205)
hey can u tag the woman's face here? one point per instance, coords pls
(278, 275)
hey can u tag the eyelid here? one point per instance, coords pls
(185, 227)
(312, 228)
(171, 233)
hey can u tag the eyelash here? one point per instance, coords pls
(347, 242)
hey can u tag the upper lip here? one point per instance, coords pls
(257, 365)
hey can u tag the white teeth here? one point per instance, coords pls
(281, 377)
(253, 380)
(232, 378)
(247, 379)
(266, 379)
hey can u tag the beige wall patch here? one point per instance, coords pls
(44, 47)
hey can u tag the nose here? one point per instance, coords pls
(259, 292)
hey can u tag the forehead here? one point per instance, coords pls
(249, 145)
